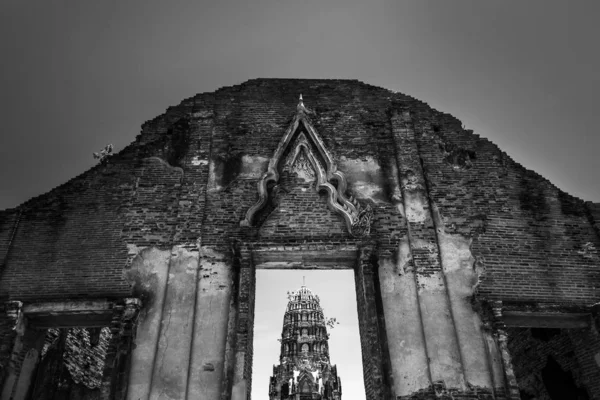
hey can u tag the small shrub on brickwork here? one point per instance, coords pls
(104, 153)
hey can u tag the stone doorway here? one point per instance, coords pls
(70, 350)
(360, 257)
(280, 326)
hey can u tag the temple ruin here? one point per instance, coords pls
(475, 277)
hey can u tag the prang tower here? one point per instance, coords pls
(304, 371)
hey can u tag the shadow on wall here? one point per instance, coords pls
(560, 383)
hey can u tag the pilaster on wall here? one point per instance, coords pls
(14, 313)
(242, 372)
(25, 357)
(230, 335)
(123, 328)
(14, 342)
(462, 356)
(373, 355)
(441, 342)
(212, 312)
(408, 357)
(173, 351)
(501, 336)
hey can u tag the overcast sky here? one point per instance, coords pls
(77, 75)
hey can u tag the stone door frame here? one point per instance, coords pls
(360, 256)
(31, 321)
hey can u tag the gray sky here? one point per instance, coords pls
(77, 75)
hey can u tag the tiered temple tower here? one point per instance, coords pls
(304, 371)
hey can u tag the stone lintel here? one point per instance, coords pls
(292, 257)
(525, 319)
(66, 314)
(68, 307)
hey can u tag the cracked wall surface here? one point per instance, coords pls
(455, 223)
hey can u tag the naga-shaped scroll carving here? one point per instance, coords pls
(301, 142)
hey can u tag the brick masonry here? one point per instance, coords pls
(154, 193)
(190, 176)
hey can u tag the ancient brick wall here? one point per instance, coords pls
(67, 242)
(518, 220)
(156, 191)
(9, 220)
(534, 242)
(191, 175)
(302, 213)
(248, 127)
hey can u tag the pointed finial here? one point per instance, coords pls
(303, 278)
(300, 106)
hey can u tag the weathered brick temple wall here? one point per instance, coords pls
(453, 243)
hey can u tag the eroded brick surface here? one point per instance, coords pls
(191, 175)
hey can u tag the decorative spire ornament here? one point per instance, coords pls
(300, 107)
(302, 138)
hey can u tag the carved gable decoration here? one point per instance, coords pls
(303, 152)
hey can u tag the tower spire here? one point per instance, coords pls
(305, 369)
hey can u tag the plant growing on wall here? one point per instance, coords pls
(104, 153)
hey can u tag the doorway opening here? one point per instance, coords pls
(356, 258)
(275, 335)
(71, 350)
(71, 363)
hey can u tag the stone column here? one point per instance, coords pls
(375, 375)
(242, 372)
(410, 369)
(171, 362)
(13, 310)
(213, 296)
(149, 269)
(501, 336)
(25, 355)
(116, 372)
(493, 358)
(33, 341)
(441, 339)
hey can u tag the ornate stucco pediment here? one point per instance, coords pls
(302, 150)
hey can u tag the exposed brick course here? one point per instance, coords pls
(185, 181)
